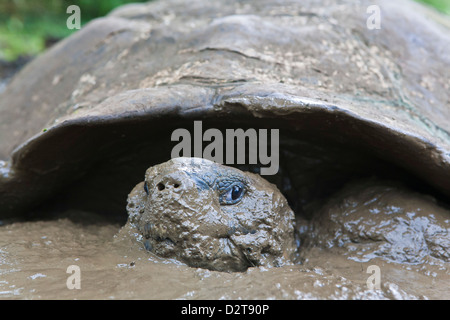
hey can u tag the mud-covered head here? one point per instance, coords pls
(212, 216)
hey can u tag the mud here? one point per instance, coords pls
(372, 219)
(408, 243)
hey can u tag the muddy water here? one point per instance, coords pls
(35, 255)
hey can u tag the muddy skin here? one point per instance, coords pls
(373, 219)
(212, 216)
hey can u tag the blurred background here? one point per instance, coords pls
(27, 27)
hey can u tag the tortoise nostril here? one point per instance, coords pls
(176, 185)
(161, 186)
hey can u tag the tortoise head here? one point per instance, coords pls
(212, 216)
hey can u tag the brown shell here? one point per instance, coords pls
(105, 100)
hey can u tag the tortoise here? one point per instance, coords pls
(82, 122)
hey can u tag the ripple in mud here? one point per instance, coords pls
(35, 256)
(351, 233)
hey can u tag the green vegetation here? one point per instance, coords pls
(27, 27)
(441, 5)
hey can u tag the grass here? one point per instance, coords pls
(26, 26)
(27, 36)
(440, 5)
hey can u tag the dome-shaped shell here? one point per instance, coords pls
(105, 100)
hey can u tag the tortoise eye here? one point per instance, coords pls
(146, 188)
(233, 194)
(236, 192)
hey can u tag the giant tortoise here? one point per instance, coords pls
(81, 123)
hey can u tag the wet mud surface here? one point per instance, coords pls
(408, 244)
